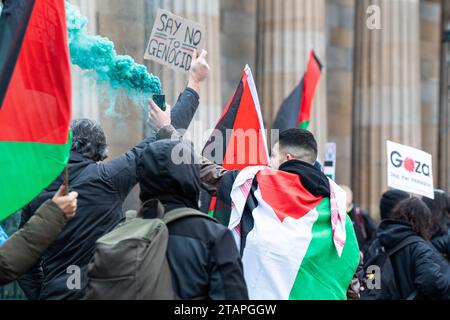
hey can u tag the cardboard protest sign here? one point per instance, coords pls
(409, 169)
(173, 41)
(329, 165)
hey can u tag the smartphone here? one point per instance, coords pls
(160, 100)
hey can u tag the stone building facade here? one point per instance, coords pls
(380, 84)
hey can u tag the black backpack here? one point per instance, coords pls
(379, 257)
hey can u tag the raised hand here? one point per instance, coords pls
(199, 70)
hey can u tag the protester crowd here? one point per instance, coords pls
(196, 257)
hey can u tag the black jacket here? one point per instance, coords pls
(418, 266)
(442, 244)
(202, 254)
(102, 189)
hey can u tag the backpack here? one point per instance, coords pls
(381, 258)
(130, 263)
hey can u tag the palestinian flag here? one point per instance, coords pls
(35, 99)
(301, 246)
(239, 140)
(295, 112)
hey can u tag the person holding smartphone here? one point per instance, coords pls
(104, 186)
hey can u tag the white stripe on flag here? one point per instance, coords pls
(338, 215)
(274, 251)
(239, 195)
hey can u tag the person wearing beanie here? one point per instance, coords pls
(203, 258)
(389, 200)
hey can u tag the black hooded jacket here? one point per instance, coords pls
(442, 243)
(202, 254)
(102, 189)
(418, 266)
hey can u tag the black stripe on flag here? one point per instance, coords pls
(226, 122)
(13, 26)
(287, 116)
(223, 208)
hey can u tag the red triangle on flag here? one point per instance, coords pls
(241, 126)
(291, 198)
(37, 103)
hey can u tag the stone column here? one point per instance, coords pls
(340, 44)
(238, 45)
(84, 93)
(286, 32)
(444, 110)
(387, 93)
(123, 22)
(430, 52)
(206, 12)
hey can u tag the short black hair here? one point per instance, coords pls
(88, 139)
(296, 139)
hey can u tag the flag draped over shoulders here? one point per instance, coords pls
(300, 244)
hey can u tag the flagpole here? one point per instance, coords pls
(66, 181)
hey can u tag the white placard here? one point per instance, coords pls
(409, 169)
(329, 165)
(174, 40)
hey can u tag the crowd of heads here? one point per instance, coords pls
(428, 217)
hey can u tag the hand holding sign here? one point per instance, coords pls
(199, 67)
(199, 70)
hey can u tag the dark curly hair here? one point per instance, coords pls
(440, 211)
(88, 139)
(415, 212)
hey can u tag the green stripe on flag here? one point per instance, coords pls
(26, 169)
(323, 275)
(304, 125)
